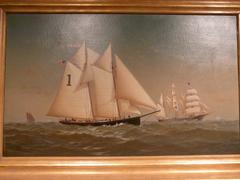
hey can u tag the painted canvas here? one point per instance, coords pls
(121, 85)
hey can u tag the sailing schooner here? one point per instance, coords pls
(99, 90)
(188, 107)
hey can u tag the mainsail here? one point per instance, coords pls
(104, 90)
(72, 102)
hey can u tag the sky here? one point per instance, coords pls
(158, 49)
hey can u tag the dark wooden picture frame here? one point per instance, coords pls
(198, 167)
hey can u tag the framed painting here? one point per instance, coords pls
(119, 89)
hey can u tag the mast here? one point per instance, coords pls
(72, 99)
(174, 101)
(115, 87)
(104, 86)
(88, 83)
(162, 104)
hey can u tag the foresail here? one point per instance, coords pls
(127, 87)
(70, 101)
(104, 94)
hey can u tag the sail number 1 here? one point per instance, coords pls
(69, 80)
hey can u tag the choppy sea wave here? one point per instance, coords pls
(165, 138)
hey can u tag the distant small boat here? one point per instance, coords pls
(30, 118)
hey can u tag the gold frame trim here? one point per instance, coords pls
(144, 167)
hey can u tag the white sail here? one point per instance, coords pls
(133, 110)
(161, 114)
(204, 107)
(192, 104)
(126, 108)
(129, 88)
(105, 61)
(79, 59)
(191, 91)
(91, 58)
(70, 102)
(161, 100)
(104, 94)
(87, 76)
(192, 98)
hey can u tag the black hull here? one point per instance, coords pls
(134, 121)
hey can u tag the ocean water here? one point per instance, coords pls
(149, 139)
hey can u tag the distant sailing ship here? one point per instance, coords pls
(99, 90)
(188, 107)
(30, 118)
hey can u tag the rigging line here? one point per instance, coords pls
(149, 113)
